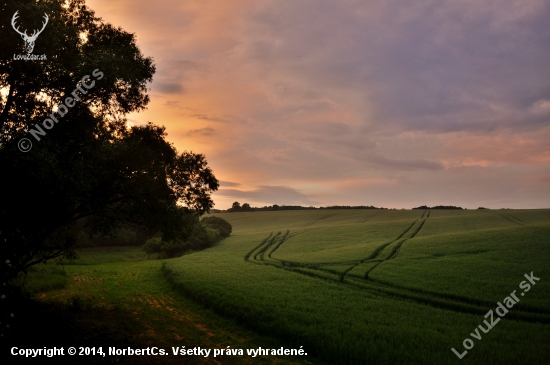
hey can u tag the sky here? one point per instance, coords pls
(390, 103)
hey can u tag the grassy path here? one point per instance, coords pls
(131, 304)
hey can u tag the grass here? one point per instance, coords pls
(102, 255)
(350, 286)
(432, 276)
(116, 297)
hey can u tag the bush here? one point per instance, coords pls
(124, 236)
(218, 223)
(165, 249)
(210, 231)
(204, 237)
(154, 245)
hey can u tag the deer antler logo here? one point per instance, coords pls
(29, 40)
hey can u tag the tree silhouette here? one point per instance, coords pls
(89, 164)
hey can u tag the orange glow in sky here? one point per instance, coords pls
(394, 104)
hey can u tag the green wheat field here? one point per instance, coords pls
(350, 286)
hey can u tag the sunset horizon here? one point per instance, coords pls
(275, 182)
(387, 104)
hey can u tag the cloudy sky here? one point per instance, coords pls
(391, 103)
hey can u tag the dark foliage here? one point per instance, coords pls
(205, 234)
(351, 207)
(90, 165)
(223, 226)
(438, 207)
(201, 238)
(247, 208)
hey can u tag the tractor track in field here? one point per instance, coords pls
(397, 247)
(279, 243)
(379, 250)
(247, 256)
(266, 246)
(378, 287)
(449, 302)
(367, 218)
(512, 219)
(312, 222)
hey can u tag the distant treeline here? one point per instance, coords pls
(438, 207)
(237, 207)
(351, 207)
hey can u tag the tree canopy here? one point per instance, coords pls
(89, 164)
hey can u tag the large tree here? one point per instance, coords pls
(85, 162)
